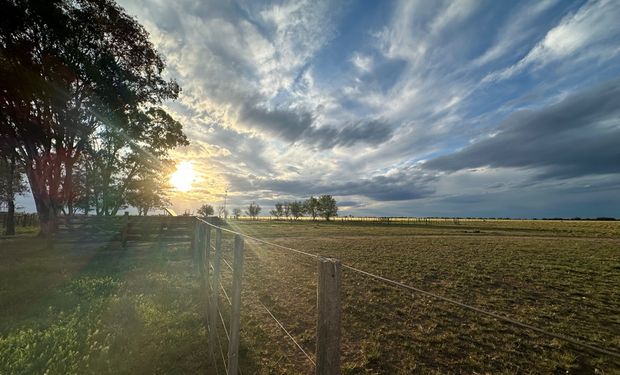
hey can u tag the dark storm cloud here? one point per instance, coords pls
(576, 137)
(284, 123)
(371, 132)
(403, 185)
(300, 126)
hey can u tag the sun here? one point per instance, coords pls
(183, 177)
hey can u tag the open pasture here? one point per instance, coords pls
(86, 308)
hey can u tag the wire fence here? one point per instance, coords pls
(318, 320)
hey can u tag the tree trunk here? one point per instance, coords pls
(10, 218)
(42, 199)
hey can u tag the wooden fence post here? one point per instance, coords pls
(235, 314)
(328, 322)
(200, 248)
(215, 283)
(196, 246)
(207, 263)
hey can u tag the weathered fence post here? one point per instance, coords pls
(200, 246)
(328, 322)
(235, 314)
(196, 246)
(125, 230)
(207, 262)
(215, 282)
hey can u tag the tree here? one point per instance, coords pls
(278, 211)
(253, 210)
(297, 209)
(11, 185)
(81, 76)
(114, 162)
(287, 209)
(311, 206)
(327, 207)
(205, 210)
(236, 212)
(146, 193)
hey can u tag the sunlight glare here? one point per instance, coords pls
(183, 177)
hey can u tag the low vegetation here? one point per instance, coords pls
(97, 309)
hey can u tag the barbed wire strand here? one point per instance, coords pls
(223, 324)
(446, 299)
(222, 353)
(484, 312)
(226, 295)
(259, 240)
(288, 334)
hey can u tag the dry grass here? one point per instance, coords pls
(89, 309)
(561, 276)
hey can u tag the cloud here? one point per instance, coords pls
(593, 29)
(370, 132)
(406, 184)
(284, 123)
(576, 137)
(294, 98)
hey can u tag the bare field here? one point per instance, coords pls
(560, 276)
(98, 309)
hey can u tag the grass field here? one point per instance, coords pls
(92, 309)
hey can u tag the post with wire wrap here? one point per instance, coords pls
(235, 314)
(215, 282)
(328, 322)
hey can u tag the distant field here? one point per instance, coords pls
(561, 276)
(80, 309)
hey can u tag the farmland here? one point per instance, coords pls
(97, 308)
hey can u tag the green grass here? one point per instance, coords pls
(90, 309)
(84, 309)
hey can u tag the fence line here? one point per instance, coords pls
(288, 334)
(484, 312)
(328, 322)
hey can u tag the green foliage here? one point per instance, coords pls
(327, 207)
(147, 192)
(82, 89)
(297, 209)
(278, 210)
(205, 210)
(311, 207)
(253, 210)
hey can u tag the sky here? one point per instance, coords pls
(397, 108)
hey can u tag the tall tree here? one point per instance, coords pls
(147, 192)
(297, 209)
(71, 71)
(253, 210)
(205, 210)
(311, 206)
(278, 210)
(327, 207)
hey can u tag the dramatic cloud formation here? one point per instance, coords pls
(398, 108)
(578, 136)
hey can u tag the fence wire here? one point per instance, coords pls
(452, 301)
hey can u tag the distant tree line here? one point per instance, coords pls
(324, 206)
